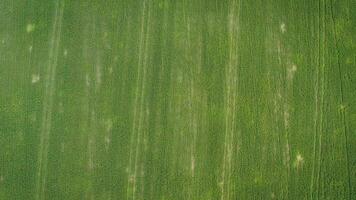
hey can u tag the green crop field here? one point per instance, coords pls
(177, 99)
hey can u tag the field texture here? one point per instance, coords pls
(177, 99)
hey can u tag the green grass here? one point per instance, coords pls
(177, 99)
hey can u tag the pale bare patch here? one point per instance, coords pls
(107, 140)
(299, 161)
(291, 71)
(108, 125)
(342, 107)
(192, 166)
(283, 27)
(30, 28)
(87, 80)
(131, 179)
(286, 118)
(35, 78)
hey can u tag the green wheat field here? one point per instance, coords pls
(177, 99)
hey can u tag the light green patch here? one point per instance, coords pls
(30, 28)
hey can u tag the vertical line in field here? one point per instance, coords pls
(288, 91)
(321, 67)
(195, 59)
(192, 93)
(342, 110)
(91, 58)
(50, 78)
(137, 130)
(230, 98)
(316, 115)
(142, 111)
(133, 133)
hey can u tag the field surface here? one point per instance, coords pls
(177, 99)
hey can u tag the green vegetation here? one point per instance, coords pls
(177, 99)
